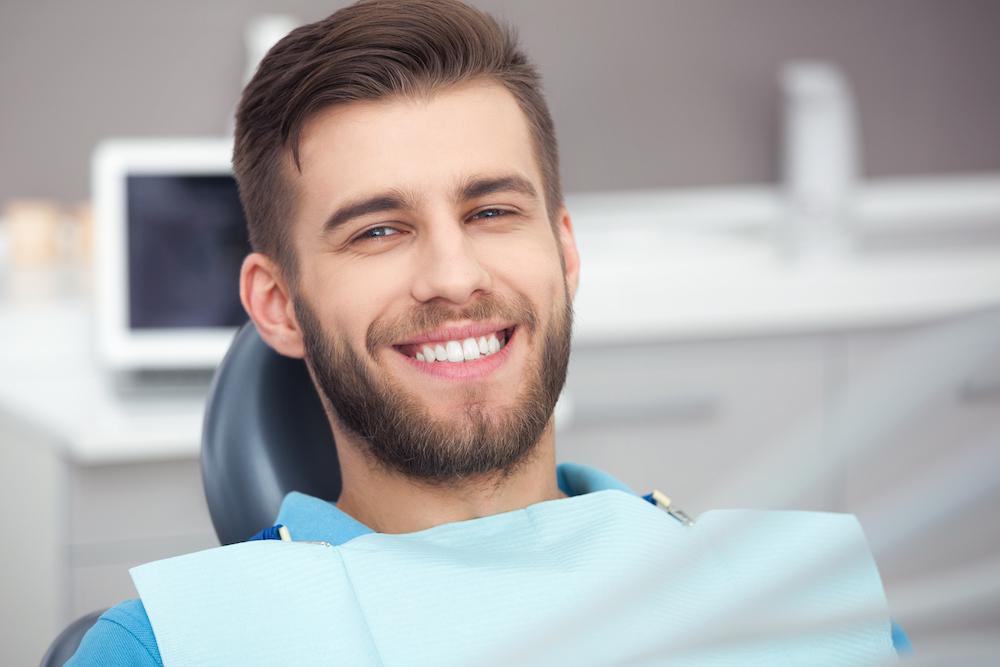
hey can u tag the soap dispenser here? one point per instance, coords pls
(262, 32)
(820, 162)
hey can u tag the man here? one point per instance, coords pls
(398, 168)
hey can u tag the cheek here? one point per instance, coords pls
(532, 269)
(348, 301)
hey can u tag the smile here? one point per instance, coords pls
(459, 349)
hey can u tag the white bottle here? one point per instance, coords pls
(821, 161)
(261, 33)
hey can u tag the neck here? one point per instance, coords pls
(389, 502)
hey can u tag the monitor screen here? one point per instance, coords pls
(169, 240)
(186, 240)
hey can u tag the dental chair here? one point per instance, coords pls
(265, 434)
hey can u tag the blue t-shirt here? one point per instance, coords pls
(123, 635)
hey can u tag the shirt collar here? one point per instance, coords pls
(310, 518)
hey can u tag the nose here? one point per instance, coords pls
(448, 267)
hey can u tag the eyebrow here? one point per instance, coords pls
(482, 186)
(396, 200)
(386, 201)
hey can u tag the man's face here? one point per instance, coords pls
(434, 307)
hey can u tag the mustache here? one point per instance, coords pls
(435, 313)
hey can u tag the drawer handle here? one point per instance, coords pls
(979, 391)
(675, 409)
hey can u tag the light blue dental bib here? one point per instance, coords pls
(603, 578)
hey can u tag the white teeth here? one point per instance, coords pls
(470, 349)
(455, 352)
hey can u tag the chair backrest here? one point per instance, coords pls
(265, 434)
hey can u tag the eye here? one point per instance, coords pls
(374, 233)
(487, 213)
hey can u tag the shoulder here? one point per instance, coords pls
(121, 636)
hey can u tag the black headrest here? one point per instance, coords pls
(265, 434)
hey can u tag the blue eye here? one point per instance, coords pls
(487, 213)
(378, 233)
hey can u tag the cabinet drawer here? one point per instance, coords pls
(136, 501)
(692, 419)
(924, 477)
(99, 587)
(925, 473)
(99, 575)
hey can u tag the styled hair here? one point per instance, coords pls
(371, 50)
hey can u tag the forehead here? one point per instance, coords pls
(425, 145)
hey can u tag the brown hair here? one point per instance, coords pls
(374, 49)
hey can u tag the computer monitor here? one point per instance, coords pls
(169, 238)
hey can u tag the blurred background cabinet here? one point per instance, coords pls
(922, 424)
(126, 514)
(689, 418)
(74, 529)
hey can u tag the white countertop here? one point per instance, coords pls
(638, 283)
(681, 293)
(51, 382)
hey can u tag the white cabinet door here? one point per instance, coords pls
(712, 424)
(123, 515)
(920, 415)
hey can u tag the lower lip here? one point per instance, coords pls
(465, 370)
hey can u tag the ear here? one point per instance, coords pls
(570, 256)
(267, 300)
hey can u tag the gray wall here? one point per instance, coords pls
(646, 93)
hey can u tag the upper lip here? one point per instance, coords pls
(457, 332)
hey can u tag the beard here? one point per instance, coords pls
(400, 434)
